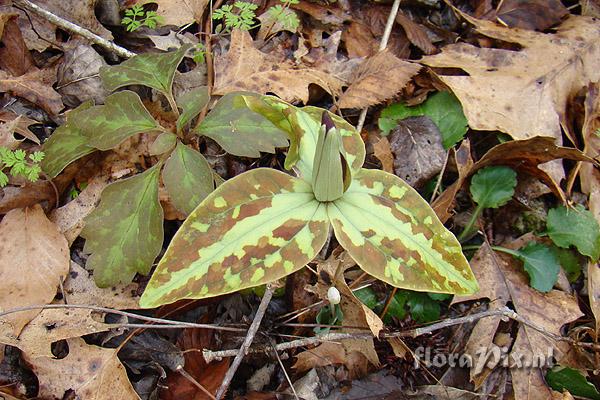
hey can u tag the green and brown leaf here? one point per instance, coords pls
(255, 228)
(393, 234)
(125, 233)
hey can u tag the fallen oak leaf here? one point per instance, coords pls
(502, 281)
(34, 258)
(378, 78)
(520, 92)
(91, 372)
(245, 68)
(34, 86)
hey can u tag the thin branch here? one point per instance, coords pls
(244, 349)
(210, 356)
(71, 27)
(382, 45)
(163, 322)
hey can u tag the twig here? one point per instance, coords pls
(71, 27)
(382, 45)
(194, 382)
(287, 377)
(163, 322)
(210, 356)
(244, 349)
(438, 183)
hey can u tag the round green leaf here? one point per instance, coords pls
(575, 227)
(492, 187)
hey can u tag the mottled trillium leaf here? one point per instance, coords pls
(165, 142)
(255, 228)
(239, 130)
(122, 116)
(66, 145)
(393, 234)
(192, 103)
(575, 227)
(155, 70)
(188, 178)
(124, 234)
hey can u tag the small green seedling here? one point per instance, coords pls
(240, 15)
(491, 187)
(561, 378)
(136, 17)
(18, 163)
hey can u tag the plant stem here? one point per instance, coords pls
(496, 248)
(468, 231)
(172, 103)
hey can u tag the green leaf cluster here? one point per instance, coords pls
(18, 163)
(136, 17)
(422, 307)
(124, 234)
(240, 15)
(443, 108)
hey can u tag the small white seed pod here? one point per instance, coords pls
(333, 295)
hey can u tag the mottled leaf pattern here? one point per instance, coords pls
(156, 70)
(192, 103)
(122, 116)
(188, 178)
(125, 233)
(255, 228)
(239, 130)
(66, 145)
(166, 141)
(393, 234)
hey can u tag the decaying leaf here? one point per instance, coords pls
(34, 259)
(77, 76)
(125, 233)
(179, 12)
(91, 372)
(418, 151)
(531, 14)
(34, 86)
(519, 92)
(246, 68)
(383, 152)
(502, 282)
(378, 78)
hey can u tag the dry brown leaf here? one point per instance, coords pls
(56, 324)
(359, 40)
(523, 93)
(378, 78)
(244, 67)
(501, 280)
(419, 155)
(594, 291)
(36, 87)
(590, 8)
(79, 288)
(531, 14)
(179, 12)
(416, 33)
(444, 204)
(19, 124)
(15, 58)
(34, 258)
(383, 152)
(39, 33)
(69, 218)
(91, 372)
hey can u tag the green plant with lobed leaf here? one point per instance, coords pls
(18, 163)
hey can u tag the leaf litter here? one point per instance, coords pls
(501, 86)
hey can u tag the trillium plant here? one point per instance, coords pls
(265, 224)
